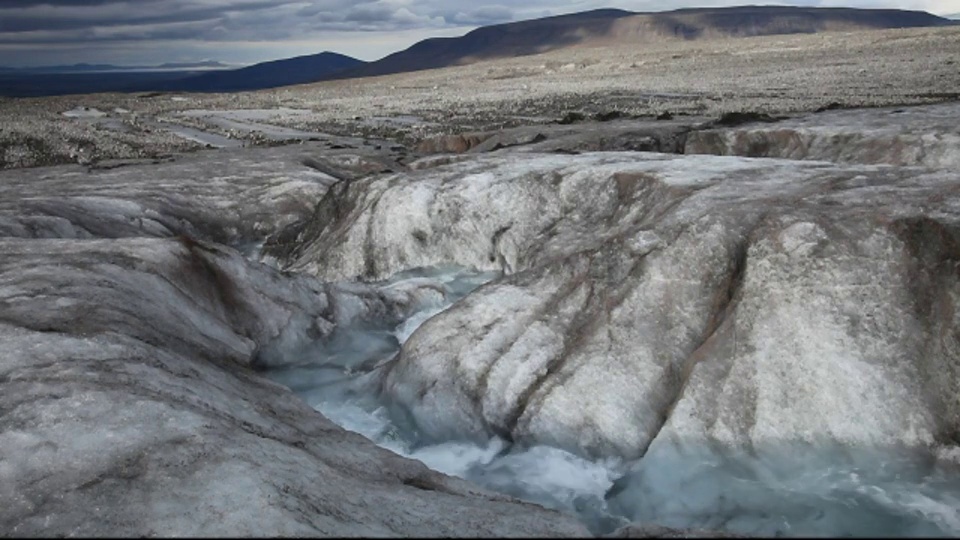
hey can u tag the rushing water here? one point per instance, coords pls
(787, 491)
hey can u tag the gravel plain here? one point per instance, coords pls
(775, 74)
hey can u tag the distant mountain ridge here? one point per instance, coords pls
(619, 26)
(502, 40)
(597, 27)
(286, 72)
(89, 78)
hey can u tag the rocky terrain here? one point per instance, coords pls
(773, 74)
(491, 317)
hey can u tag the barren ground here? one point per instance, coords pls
(781, 74)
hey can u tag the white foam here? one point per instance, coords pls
(458, 458)
(405, 330)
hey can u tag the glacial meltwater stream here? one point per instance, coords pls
(783, 491)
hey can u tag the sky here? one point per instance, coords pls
(148, 32)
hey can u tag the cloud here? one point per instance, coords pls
(481, 16)
(60, 15)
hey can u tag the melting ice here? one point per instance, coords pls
(782, 491)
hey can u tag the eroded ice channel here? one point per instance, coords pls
(783, 491)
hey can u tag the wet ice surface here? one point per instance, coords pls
(83, 112)
(784, 491)
(399, 120)
(247, 115)
(793, 491)
(114, 124)
(196, 135)
(343, 386)
(255, 120)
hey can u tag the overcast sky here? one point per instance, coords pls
(125, 32)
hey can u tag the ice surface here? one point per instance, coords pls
(250, 120)
(792, 491)
(683, 313)
(246, 114)
(202, 137)
(84, 112)
(344, 388)
(126, 411)
(804, 489)
(897, 136)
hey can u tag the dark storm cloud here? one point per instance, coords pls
(248, 19)
(27, 16)
(481, 16)
(370, 13)
(30, 3)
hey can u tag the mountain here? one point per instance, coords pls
(298, 70)
(194, 77)
(618, 26)
(498, 41)
(744, 21)
(603, 26)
